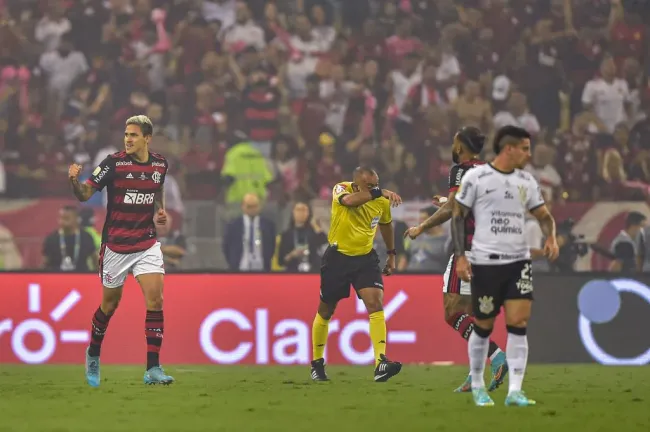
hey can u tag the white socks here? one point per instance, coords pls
(477, 348)
(517, 357)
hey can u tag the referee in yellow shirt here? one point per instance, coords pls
(357, 208)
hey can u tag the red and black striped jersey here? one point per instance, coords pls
(131, 187)
(456, 174)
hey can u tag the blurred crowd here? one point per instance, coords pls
(282, 98)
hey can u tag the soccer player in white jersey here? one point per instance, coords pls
(499, 194)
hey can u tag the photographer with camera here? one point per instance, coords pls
(572, 247)
(624, 247)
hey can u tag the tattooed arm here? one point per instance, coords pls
(458, 216)
(547, 224)
(442, 215)
(83, 191)
(159, 199)
(546, 221)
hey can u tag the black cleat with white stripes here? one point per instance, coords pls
(318, 370)
(386, 369)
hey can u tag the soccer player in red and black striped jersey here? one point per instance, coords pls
(468, 144)
(134, 181)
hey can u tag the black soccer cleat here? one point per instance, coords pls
(386, 369)
(318, 370)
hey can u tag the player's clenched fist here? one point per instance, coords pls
(161, 217)
(74, 171)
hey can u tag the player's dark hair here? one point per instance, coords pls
(70, 208)
(509, 135)
(634, 218)
(472, 138)
(292, 221)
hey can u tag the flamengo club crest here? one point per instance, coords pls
(156, 177)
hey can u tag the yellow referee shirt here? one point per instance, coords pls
(353, 228)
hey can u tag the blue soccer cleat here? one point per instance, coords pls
(499, 371)
(92, 370)
(481, 397)
(466, 387)
(518, 398)
(156, 375)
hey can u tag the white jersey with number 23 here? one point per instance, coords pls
(499, 202)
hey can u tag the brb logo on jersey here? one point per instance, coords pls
(134, 197)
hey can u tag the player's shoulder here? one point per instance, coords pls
(120, 155)
(464, 167)
(342, 187)
(476, 170)
(525, 176)
(158, 160)
(158, 156)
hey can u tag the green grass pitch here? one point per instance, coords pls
(236, 398)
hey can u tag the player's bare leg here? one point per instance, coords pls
(319, 332)
(373, 299)
(477, 349)
(517, 316)
(458, 314)
(152, 288)
(110, 301)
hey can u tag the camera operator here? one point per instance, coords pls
(624, 245)
(572, 247)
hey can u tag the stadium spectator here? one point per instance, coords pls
(302, 244)
(385, 81)
(249, 241)
(69, 248)
(624, 245)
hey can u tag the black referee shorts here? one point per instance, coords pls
(492, 285)
(339, 271)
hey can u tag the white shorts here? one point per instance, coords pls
(115, 267)
(451, 283)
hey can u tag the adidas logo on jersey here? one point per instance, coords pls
(129, 176)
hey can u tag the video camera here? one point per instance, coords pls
(573, 247)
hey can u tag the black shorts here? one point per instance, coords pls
(492, 285)
(339, 271)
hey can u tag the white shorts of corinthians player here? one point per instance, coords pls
(115, 267)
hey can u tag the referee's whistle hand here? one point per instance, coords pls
(389, 268)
